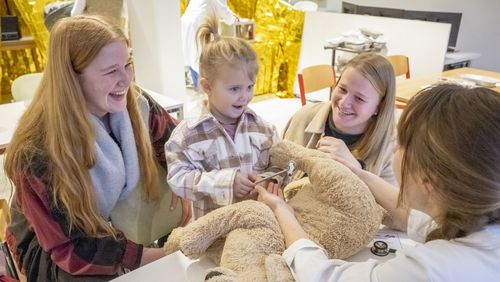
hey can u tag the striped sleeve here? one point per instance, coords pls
(187, 173)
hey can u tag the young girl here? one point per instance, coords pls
(448, 162)
(358, 123)
(212, 159)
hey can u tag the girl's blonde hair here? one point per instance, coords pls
(374, 145)
(450, 137)
(55, 140)
(217, 51)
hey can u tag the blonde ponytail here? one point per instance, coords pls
(208, 32)
(217, 51)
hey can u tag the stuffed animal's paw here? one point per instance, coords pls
(173, 243)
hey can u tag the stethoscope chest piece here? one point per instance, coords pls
(380, 248)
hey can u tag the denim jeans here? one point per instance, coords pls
(194, 77)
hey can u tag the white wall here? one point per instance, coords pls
(424, 43)
(478, 29)
(155, 30)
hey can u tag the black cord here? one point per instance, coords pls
(7, 6)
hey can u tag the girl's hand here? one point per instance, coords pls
(187, 211)
(337, 150)
(243, 184)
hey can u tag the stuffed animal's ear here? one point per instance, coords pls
(284, 151)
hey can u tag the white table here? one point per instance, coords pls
(453, 60)
(177, 267)
(174, 267)
(9, 117)
(171, 105)
(278, 111)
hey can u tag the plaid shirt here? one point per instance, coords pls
(203, 160)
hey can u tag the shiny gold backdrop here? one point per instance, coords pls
(17, 61)
(278, 33)
(278, 37)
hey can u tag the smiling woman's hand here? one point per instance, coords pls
(337, 150)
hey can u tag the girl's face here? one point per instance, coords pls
(354, 102)
(229, 93)
(105, 81)
(417, 191)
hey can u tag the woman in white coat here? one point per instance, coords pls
(448, 164)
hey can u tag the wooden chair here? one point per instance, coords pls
(315, 78)
(400, 64)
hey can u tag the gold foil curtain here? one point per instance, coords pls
(32, 14)
(24, 57)
(243, 8)
(184, 4)
(278, 37)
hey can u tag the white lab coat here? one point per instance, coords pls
(472, 258)
(197, 12)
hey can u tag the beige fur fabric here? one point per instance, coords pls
(251, 234)
(336, 209)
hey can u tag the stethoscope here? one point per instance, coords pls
(381, 249)
(289, 171)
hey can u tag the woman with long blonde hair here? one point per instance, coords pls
(87, 140)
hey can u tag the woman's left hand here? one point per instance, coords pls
(187, 211)
(272, 196)
(337, 149)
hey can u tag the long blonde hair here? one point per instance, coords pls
(217, 51)
(450, 136)
(374, 145)
(55, 140)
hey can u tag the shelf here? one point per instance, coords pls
(25, 42)
(350, 50)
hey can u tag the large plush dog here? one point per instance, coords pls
(334, 207)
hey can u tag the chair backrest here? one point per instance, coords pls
(314, 78)
(24, 87)
(400, 64)
(306, 6)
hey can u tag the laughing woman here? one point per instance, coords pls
(88, 139)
